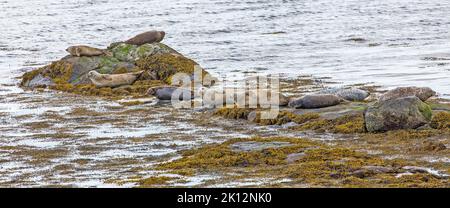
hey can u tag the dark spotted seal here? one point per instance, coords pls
(146, 37)
(165, 93)
(315, 101)
(113, 80)
(82, 50)
(423, 93)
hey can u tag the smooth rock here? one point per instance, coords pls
(400, 113)
(40, 81)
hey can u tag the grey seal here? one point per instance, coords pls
(315, 101)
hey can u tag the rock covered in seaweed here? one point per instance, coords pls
(70, 73)
(164, 66)
(400, 113)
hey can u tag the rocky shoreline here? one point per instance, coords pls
(376, 139)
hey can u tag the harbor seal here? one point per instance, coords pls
(350, 94)
(82, 50)
(165, 93)
(113, 80)
(423, 93)
(146, 37)
(315, 101)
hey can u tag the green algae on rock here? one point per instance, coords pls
(164, 66)
(400, 113)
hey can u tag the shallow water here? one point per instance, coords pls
(388, 43)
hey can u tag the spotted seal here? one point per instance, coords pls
(146, 37)
(423, 93)
(315, 101)
(82, 50)
(113, 80)
(350, 94)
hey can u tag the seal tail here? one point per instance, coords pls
(138, 73)
(108, 53)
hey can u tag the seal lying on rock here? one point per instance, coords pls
(165, 93)
(351, 94)
(423, 93)
(315, 101)
(146, 37)
(82, 50)
(113, 80)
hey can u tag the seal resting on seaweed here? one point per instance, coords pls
(315, 101)
(146, 37)
(82, 50)
(113, 80)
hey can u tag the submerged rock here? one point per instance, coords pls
(367, 171)
(401, 113)
(294, 157)
(315, 101)
(39, 81)
(351, 94)
(423, 93)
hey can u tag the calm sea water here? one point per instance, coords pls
(389, 42)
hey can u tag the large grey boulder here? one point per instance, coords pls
(400, 113)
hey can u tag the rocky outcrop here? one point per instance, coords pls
(158, 61)
(400, 113)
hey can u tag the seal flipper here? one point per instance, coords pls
(77, 52)
(106, 77)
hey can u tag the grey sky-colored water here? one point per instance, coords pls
(394, 42)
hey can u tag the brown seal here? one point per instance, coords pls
(423, 93)
(147, 37)
(113, 80)
(82, 50)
